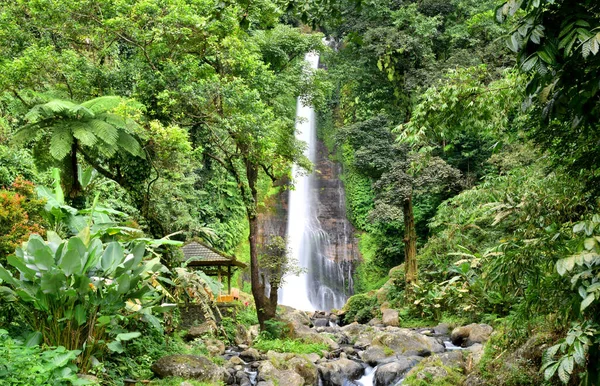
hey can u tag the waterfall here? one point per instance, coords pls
(324, 282)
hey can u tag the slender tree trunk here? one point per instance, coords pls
(263, 306)
(410, 243)
(75, 190)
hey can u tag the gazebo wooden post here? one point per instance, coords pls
(229, 280)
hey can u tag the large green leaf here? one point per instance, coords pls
(71, 262)
(128, 336)
(112, 256)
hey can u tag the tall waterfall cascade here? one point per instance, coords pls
(318, 239)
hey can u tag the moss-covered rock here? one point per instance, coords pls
(188, 367)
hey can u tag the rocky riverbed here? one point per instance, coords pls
(374, 354)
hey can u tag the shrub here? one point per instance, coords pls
(28, 365)
(20, 215)
(361, 308)
(78, 293)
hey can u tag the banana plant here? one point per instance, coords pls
(79, 292)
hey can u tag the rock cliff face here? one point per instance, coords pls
(338, 243)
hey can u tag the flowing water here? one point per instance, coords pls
(323, 284)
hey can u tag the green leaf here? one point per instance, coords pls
(112, 256)
(563, 374)
(128, 336)
(589, 243)
(80, 315)
(71, 262)
(551, 370)
(579, 353)
(34, 339)
(124, 282)
(586, 302)
(115, 346)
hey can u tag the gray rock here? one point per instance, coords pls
(452, 359)
(241, 335)
(334, 373)
(466, 336)
(215, 347)
(320, 322)
(390, 317)
(391, 373)
(407, 342)
(189, 367)
(265, 383)
(195, 332)
(374, 322)
(268, 372)
(442, 329)
(250, 355)
(372, 355)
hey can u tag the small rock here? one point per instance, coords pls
(236, 361)
(320, 323)
(391, 373)
(466, 336)
(250, 355)
(334, 373)
(195, 332)
(442, 329)
(372, 355)
(215, 347)
(390, 317)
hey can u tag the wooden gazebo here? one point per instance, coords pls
(212, 263)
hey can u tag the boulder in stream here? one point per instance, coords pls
(334, 373)
(391, 373)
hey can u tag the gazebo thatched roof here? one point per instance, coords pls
(200, 255)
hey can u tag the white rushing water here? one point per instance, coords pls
(295, 289)
(322, 286)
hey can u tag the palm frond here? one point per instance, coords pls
(128, 143)
(103, 104)
(60, 142)
(103, 130)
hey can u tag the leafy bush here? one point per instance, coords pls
(20, 215)
(361, 308)
(78, 293)
(275, 329)
(28, 365)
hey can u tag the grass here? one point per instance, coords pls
(290, 345)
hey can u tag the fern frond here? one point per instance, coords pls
(113, 119)
(128, 143)
(103, 104)
(81, 112)
(60, 142)
(83, 134)
(26, 133)
(56, 107)
(103, 130)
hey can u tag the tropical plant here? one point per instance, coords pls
(195, 287)
(24, 363)
(100, 126)
(78, 293)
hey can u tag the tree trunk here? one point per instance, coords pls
(76, 199)
(410, 243)
(264, 309)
